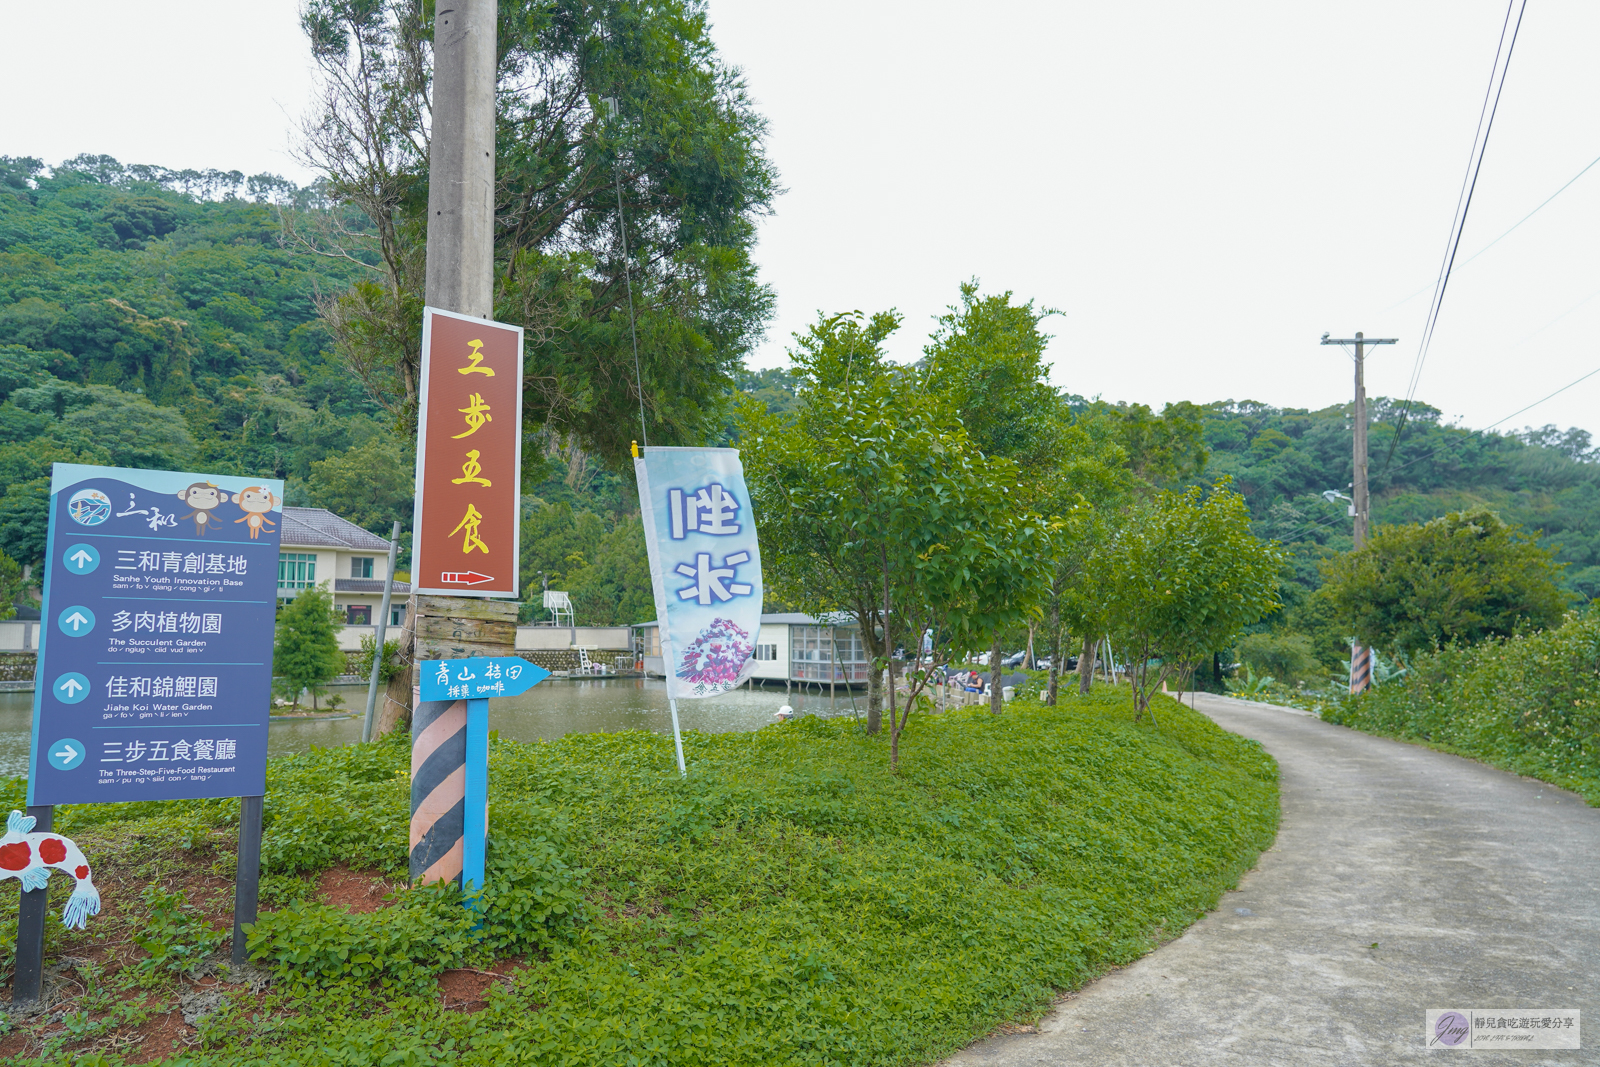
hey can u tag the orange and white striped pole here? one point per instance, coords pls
(438, 789)
(1360, 668)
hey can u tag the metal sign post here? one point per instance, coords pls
(155, 653)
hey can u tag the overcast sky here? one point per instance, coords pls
(1201, 190)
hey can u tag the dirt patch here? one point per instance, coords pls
(12, 1046)
(158, 1037)
(357, 891)
(467, 990)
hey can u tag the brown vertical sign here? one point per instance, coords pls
(469, 457)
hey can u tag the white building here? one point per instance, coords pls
(317, 546)
(790, 647)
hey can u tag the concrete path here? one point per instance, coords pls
(1403, 879)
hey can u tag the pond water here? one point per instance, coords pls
(555, 707)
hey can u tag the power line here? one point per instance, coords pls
(1543, 204)
(1480, 145)
(1532, 213)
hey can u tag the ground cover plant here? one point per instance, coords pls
(1527, 704)
(791, 902)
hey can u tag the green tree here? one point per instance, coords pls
(986, 361)
(613, 588)
(371, 483)
(1455, 579)
(874, 500)
(306, 654)
(1185, 577)
(1288, 657)
(13, 587)
(25, 520)
(684, 146)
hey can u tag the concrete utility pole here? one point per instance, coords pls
(459, 278)
(460, 273)
(1360, 507)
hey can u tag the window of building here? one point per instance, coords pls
(397, 616)
(297, 570)
(358, 615)
(767, 652)
(811, 654)
(647, 641)
(361, 566)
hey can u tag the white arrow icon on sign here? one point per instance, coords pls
(82, 559)
(76, 619)
(70, 687)
(67, 753)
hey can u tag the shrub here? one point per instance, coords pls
(1527, 704)
(1288, 658)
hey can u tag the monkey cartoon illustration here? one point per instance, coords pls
(256, 502)
(202, 497)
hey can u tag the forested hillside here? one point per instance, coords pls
(1283, 459)
(152, 318)
(161, 318)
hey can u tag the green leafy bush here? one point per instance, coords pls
(1528, 704)
(176, 936)
(1287, 657)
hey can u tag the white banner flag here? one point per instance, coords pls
(705, 566)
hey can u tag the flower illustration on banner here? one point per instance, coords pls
(714, 661)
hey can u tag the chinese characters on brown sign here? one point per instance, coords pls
(469, 459)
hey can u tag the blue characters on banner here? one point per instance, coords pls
(698, 527)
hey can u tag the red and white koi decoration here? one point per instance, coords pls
(30, 856)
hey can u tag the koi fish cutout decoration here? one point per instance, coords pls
(29, 857)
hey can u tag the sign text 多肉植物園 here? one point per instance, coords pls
(155, 652)
(469, 457)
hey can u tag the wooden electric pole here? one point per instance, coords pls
(1360, 505)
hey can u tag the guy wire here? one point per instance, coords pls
(627, 280)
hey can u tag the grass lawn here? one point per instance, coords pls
(791, 902)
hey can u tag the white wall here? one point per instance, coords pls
(606, 638)
(775, 669)
(16, 635)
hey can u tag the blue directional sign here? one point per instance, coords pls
(81, 558)
(155, 666)
(76, 621)
(478, 678)
(67, 753)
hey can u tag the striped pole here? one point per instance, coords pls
(1360, 668)
(438, 789)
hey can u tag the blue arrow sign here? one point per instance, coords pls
(478, 678)
(67, 753)
(81, 558)
(76, 621)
